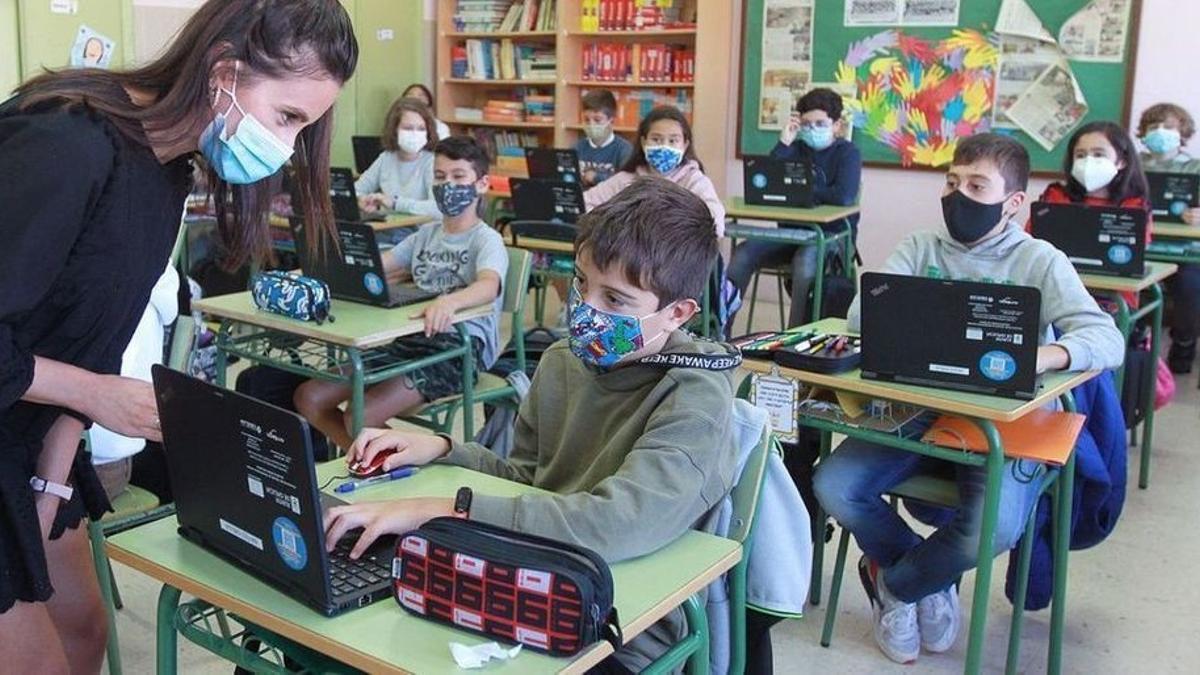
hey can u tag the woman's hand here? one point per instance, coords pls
(124, 405)
(378, 519)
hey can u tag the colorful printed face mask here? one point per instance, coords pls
(663, 158)
(452, 199)
(602, 338)
(250, 154)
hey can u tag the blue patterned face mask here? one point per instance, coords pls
(817, 137)
(663, 158)
(601, 338)
(251, 154)
(452, 199)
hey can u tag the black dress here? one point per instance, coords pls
(88, 218)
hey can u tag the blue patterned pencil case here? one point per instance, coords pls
(292, 295)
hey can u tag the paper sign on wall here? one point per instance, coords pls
(64, 6)
(91, 49)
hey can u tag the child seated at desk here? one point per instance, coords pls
(663, 148)
(1164, 129)
(460, 257)
(401, 178)
(637, 449)
(601, 152)
(812, 134)
(911, 581)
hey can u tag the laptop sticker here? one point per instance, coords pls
(289, 543)
(1120, 254)
(759, 180)
(998, 366)
(373, 283)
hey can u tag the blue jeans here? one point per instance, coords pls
(851, 482)
(752, 255)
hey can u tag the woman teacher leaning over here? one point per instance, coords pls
(95, 167)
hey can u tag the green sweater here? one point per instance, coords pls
(637, 455)
(1181, 163)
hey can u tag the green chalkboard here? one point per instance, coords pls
(1105, 86)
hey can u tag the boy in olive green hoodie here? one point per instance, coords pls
(627, 420)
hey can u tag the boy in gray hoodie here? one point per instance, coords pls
(912, 581)
(628, 420)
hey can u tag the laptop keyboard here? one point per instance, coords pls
(351, 576)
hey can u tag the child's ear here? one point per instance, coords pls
(682, 312)
(1016, 200)
(482, 185)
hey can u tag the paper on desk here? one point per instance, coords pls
(470, 658)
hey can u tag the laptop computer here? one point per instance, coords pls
(974, 336)
(768, 181)
(551, 201)
(355, 271)
(366, 150)
(345, 198)
(246, 490)
(1172, 193)
(1096, 239)
(553, 164)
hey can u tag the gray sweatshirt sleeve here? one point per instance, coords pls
(368, 182)
(664, 486)
(902, 261)
(1086, 332)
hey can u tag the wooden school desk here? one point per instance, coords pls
(350, 349)
(1175, 243)
(984, 412)
(808, 232)
(382, 637)
(1114, 289)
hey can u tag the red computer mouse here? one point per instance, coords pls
(374, 468)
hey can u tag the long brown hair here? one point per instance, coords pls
(272, 38)
(394, 116)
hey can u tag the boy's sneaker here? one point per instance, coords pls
(938, 618)
(896, 630)
(1180, 357)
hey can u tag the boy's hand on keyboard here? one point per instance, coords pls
(439, 316)
(410, 449)
(378, 519)
(1191, 217)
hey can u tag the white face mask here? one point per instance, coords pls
(1093, 173)
(411, 141)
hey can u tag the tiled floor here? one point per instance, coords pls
(1131, 609)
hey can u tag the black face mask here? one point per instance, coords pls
(968, 220)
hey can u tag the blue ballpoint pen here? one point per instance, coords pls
(394, 474)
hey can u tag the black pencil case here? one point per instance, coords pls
(548, 595)
(826, 362)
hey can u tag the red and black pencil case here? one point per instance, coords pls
(548, 595)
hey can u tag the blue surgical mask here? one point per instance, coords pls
(1161, 140)
(452, 199)
(251, 154)
(663, 158)
(602, 338)
(817, 138)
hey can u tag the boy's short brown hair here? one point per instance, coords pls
(1010, 157)
(600, 100)
(1159, 112)
(660, 233)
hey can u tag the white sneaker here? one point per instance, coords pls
(896, 630)
(938, 617)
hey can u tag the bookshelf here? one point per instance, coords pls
(708, 91)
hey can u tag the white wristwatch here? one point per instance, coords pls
(59, 490)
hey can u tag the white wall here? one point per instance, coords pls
(897, 202)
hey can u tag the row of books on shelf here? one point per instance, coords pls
(502, 60)
(625, 15)
(500, 143)
(528, 108)
(621, 62)
(488, 16)
(634, 104)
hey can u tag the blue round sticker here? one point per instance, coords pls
(373, 283)
(997, 366)
(1120, 254)
(289, 543)
(759, 180)
(568, 178)
(1178, 207)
